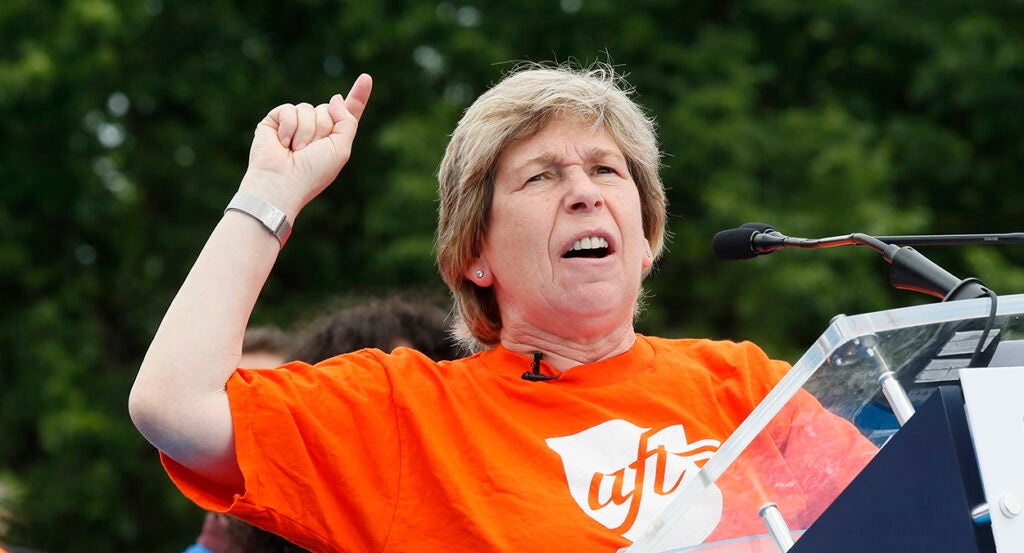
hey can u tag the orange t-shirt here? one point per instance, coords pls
(376, 452)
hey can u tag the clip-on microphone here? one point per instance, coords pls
(536, 375)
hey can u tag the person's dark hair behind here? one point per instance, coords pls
(267, 339)
(380, 323)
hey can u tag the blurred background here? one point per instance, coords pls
(125, 127)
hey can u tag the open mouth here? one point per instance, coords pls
(594, 247)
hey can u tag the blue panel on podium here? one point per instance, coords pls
(914, 496)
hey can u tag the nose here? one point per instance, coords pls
(582, 194)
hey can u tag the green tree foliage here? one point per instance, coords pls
(125, 127)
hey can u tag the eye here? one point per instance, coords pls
(605, 170)
(537, 178)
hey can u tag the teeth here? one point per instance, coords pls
(590, 243)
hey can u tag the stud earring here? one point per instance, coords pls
(649, 254)
(479, 274)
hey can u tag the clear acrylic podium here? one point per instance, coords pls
(868, 444)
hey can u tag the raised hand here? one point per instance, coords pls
(298, 150)
(178, 401)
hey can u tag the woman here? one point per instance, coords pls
(568, 431)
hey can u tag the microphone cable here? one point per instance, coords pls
(989, 323)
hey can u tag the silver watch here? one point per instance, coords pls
(263, 211)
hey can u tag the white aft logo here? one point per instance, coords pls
(623, 476)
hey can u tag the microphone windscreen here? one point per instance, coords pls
(734, 243)
(759, 227)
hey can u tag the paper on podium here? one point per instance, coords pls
(996, 416)
(823, 422)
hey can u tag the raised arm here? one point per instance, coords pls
(179, 402)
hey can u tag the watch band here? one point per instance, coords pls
(263, 211)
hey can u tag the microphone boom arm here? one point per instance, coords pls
(911, 270)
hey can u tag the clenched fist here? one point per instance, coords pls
(299, 149)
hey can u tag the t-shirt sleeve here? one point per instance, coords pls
(319, 452)
(823, 450)
(807, 456)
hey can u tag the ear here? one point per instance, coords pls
(479, 273)
(648, 257)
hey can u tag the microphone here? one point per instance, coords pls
(536, 375)
(911, 270)
(749, 240)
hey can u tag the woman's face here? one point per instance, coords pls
(565, 249)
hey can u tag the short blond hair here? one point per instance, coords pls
(516, 108)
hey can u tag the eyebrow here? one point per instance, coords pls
(548, 159)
